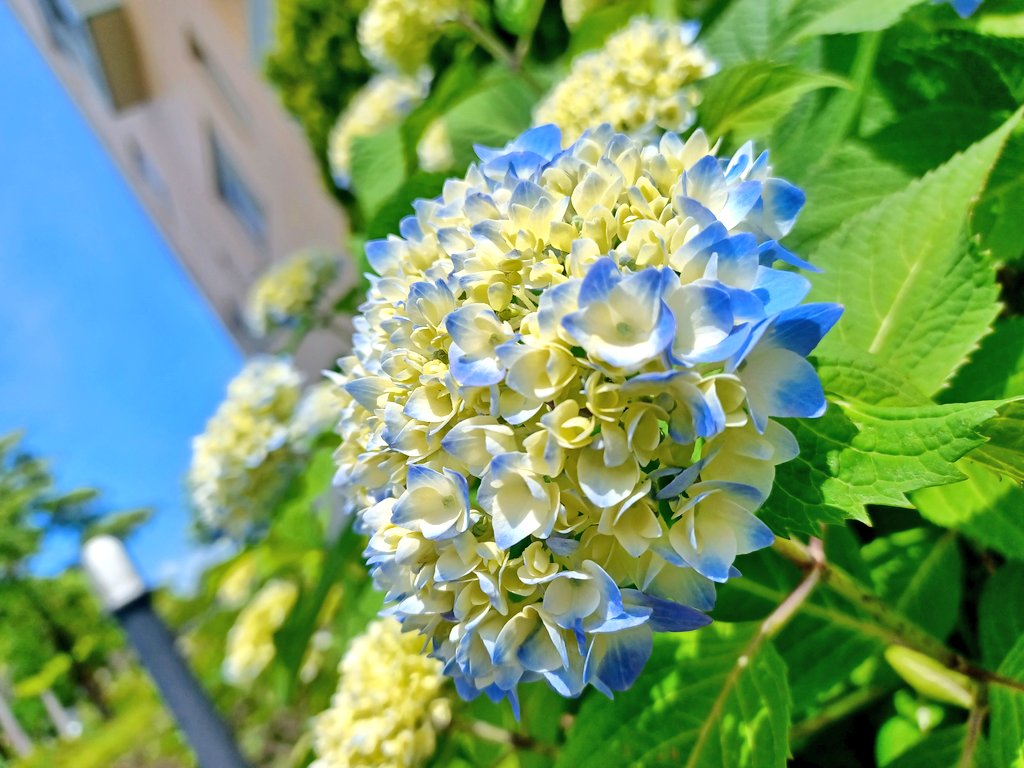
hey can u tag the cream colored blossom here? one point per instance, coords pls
(642, 80)
(389, 705)
(397, 35)
(250, 645)
(289, 291)
(435, 149)
(382, 101)
(242, 461)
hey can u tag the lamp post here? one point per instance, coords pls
(123, 594)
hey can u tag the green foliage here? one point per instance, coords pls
(716, 697)
(1001, 613)
(1007, 735)
(316, 64)
(807, 18)
(918, 295)
(747, 99)
(859, 454)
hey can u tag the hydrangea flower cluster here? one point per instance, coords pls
(397, 35)
(252, 444)
(383, 100)
(290, 290)
(389, 704)
(562, 392)
(237, 462)
(434, 149)
(642, 80)
(250, 645)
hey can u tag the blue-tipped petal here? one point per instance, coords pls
(666, 615)
(801, 328)
(779, 290)
(615, 661)
(600, 279)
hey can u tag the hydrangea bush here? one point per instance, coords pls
(565, 378)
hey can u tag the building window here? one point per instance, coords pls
(221, 82)
(98, 36)
(236, 193)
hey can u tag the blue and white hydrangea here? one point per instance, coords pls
(559, 425)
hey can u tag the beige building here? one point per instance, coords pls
(174, 90)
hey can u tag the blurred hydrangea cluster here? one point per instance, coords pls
(288, 292)
(381, 102)
(251, 446)
(250, 645)
(434, 150)
(397, 35)
(389, 705)
(561, 401)
(642, 81)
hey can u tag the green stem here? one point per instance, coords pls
(896, 628)
(490, 43)
(498, 735)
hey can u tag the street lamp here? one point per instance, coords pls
(122, 593)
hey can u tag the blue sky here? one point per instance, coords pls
(110, 359)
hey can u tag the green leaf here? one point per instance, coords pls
(858, 454)
(496, 113)
(747, 99)
(600, 23)
(518, 16)
(378, 168)
(917, 293)
(826, 645)
(843, 184)
(996, 368)
(941, 747)
(746, 31)
(1007, 728)
(808, 18)
(716, 697)
(852, 373)
(1004, 451)
(292, 639)
(399, 205)
(986, 507)
(931, 678)
(919, 573)
(1001, 613)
